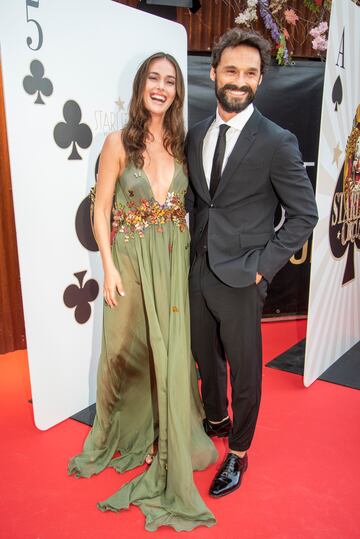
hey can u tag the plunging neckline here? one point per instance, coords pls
(168, 190)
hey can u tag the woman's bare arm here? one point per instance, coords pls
(112, 161)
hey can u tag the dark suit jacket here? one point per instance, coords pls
(264, 168)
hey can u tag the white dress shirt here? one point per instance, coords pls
(236, 124)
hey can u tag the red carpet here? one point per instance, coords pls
(303, 479)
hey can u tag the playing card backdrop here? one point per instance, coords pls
(67, 69)
(334, 303)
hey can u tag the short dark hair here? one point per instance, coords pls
(235, 37)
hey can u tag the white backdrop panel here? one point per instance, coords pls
(90, 53)
(334, 303)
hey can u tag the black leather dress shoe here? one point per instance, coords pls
(218, 429)
(229, 476)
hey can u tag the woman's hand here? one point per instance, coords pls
(112, 285)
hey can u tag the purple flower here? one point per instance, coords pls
(277, 36)
(269, 22)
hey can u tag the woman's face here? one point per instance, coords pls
(160, 86)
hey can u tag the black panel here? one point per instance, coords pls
(345, 371)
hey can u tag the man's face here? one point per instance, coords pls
(236, 78)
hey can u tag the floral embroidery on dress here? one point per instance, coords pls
(134, 218)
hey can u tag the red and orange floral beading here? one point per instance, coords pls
(134, 218)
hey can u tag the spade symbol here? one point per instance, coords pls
(81, 296)
(339, 239)
(72, 131)
(83, 224)
(337, 93)
(36, 82)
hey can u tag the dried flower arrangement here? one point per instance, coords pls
(283, 22)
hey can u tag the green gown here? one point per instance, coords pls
(146, 384)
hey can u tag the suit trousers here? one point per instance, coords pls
(226, 326)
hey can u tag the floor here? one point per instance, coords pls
(303, 479)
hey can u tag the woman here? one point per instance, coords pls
(148, 406)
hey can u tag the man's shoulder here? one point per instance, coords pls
(272, 127)
(200, 126)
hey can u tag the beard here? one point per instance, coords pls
(234, 104)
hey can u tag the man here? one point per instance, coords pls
(241, 165)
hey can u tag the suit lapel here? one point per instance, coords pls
(199, 175)
(241, 148)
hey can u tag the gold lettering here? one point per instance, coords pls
(303, 257)
(342, 216)
(335, 215)
(343, 234)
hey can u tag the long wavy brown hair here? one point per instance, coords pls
(136, 131)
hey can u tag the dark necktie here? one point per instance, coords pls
(218, 159)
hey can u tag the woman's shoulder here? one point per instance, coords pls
(114, 140)
(113, 146)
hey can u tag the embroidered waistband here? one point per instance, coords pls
(134, 218)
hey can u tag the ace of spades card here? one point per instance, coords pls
(334, 314)
(67, 69)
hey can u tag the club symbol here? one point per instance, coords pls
(36, 82)
(72, 131)
(83, 221)
(83, 226)
(337, 93)
(81, 296)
